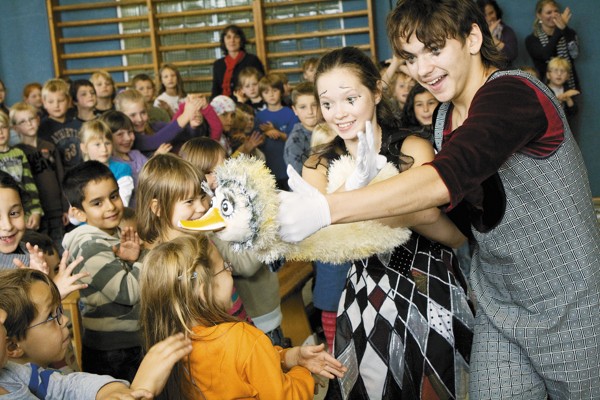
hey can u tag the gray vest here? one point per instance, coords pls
(537, 273)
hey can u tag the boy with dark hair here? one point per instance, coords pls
(276, 122)
(111, 301)
(304, 104)
(33, 334)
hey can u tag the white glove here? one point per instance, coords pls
(368, 161)
(303, 211)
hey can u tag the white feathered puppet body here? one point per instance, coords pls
(244, 213)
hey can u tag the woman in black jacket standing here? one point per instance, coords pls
(227, 68)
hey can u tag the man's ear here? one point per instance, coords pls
(13, 350)
(154, 207)
(475, 39)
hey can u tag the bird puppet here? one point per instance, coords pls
(244, 210)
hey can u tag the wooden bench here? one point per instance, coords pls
(292, 278)
(71, 307)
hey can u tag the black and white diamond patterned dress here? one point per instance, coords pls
(404, 326)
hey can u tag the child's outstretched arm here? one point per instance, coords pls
(315, 359)
(153, 372)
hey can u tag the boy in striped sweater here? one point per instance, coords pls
(111, 338)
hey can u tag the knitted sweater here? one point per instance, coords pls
(111, 301)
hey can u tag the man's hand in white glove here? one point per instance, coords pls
(303, 211)
(368, 160)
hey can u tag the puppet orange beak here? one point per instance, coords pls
(211, 221)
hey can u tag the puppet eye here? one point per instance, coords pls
(226, 208)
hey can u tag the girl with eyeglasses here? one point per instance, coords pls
(230, 359)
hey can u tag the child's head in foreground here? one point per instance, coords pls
(92, 190)
(12, 214)
(96, 141)
(168, 191)
(304, 104)
(36, 329)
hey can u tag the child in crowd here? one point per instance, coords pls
(397, 82)
(230, 359)
(84, 99)
(3, 106)
(97, 144)
(276, 122)
(156, 137)
(247, 87)
(256, 284)
(205, 122)
(57, 127)
(32, 95)
(309, 67)
(169, 191)
(46, 168)
(110, 313)
(418, 111)
(13, 227)
(123, 139)
(530, 70)
(225, 107)
(557, 75)
(33, 329)
(171, 88)
(286, 97)
(14, 162)
(105, 90)
(244, 137)
(145, 85)
(297, 146)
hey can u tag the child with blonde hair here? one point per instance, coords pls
(229, 359)
(97, 144)
(257, 285)
(557, 77)
(157, 136)
(105, 90)
(169, 191)
(247, 88)
(58, 127)
(14, 162)
(46, 168)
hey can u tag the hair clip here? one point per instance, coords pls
(194, 276)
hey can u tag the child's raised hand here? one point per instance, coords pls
(320, 362)
(266, 126)
(156, 366)
(252, 142)
(33, 222)
(129, 249)
(163, 148)
(36, 259)
(64, 280)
